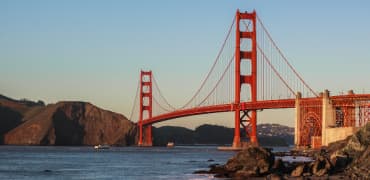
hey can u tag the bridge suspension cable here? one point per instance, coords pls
(135, 106)
(276, 77)
(226, 48)
(156, 87)
(289, 70)
(215, 92)
(161, 104)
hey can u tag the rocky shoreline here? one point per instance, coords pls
(347, 159)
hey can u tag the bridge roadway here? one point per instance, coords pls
(269, 104)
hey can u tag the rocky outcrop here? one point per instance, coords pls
(72, 123)
(250, 162)
(347, 159)
(12, 113)
(353, 154)
(8, 121)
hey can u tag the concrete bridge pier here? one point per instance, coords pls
(326, 119)
(297, 118)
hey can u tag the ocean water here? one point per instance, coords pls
(50, 162)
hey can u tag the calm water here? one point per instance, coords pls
(30, 162)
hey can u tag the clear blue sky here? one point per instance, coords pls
(93, 50)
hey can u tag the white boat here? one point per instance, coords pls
(101, 147)
(170, 144)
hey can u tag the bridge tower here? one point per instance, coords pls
(245, 118)
(146, 108)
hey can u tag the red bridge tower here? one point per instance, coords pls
(245, 118)
(146, 108)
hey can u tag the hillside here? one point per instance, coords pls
(268, 135)
(64, 123)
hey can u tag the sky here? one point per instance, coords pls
(94, 50)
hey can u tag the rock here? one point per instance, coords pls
(219, 170)
(298, 171)
(274, 176)
(320, 172)
(321, 166)
(9, 119)
(201, 172)
(250, 162)
(212, 165)
(252, 158)
(339, 160)
(72, 123)
(352, 154)
(245, 174)
(278, 166)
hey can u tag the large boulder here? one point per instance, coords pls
(353, 154)
(359, 151)
(299, 170)
(256, 159)
(321, 166)
(252, 161)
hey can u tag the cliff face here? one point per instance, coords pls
(65, 123)
(12, 113)
(10, 119)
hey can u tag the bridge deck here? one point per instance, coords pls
(270, 104)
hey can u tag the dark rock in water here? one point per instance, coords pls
(274, 176)
(340, 161)
(250, 162)
(252, 158)
(299, 170)
(245, 174)
(306, 174)
(213, 165)
(219, 170)
(279, 166)
(47, 170)
(321, 166)
(201, 172)
(351, 155)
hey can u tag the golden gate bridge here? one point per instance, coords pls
(250, 73)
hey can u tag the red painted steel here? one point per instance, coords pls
(310, 120)
(236, 140)
(251, 79)
(272, 104)
(146, 105)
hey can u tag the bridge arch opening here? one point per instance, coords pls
(310, 128)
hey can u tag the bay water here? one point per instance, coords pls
(131, 163)
(55, 162)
